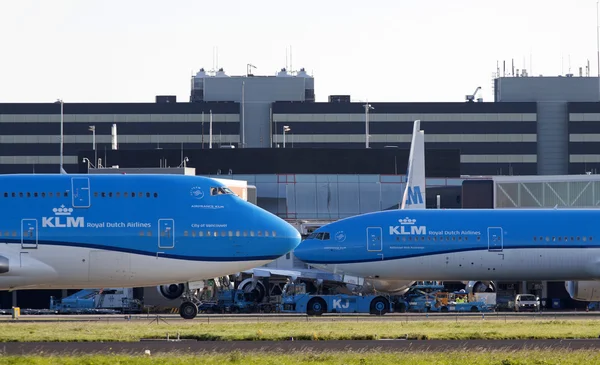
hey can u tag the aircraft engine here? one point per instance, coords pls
(480, 286)
(4, 265)
(588, 291)
(389, 286)
(171, 291)
(259, 290)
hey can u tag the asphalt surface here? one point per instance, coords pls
(191, 347)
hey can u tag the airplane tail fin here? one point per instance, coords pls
(414, 194)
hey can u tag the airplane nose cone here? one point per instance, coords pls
(306, 251)
(284, 237)
(290, 237)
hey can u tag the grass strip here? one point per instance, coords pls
(339, 330)
(540, 357)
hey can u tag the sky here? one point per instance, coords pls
(381, 50)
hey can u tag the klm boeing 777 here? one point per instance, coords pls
(92, 231)
(462, 244)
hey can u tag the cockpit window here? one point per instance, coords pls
(220, 191)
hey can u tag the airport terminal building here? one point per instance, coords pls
(282, 140)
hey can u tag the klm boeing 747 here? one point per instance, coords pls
(458, 245)
(92, 231)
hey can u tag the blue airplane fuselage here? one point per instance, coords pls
(460, 245)
(77, 231)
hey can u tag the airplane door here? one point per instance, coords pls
(166, 233)
(80, 192)
(29, 233)
(374, 237)
(495, 241)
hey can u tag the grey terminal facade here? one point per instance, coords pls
(536, 125)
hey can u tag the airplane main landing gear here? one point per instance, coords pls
(188, 310)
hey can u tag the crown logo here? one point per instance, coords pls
(62, 210)
(407, 221)
(197, 192)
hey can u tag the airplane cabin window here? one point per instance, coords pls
(132, 194)
(200, 233)
(66, 194)
(156, 195)
(230, 233)
(58, 195)
(237, 233)
(20, 195)
(245, 233)
(110, 194)
(13, 194)
(95, 194)
(251, 233)
(103, 194)
(266, 233)
(28, 194)
(275, 234)
(147, 195)
(185, 233)
(325, 236)
(259, 233)
(149, 233)
(216, 234)
(584, 238)
(35, 195)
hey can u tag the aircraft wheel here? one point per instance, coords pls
(316, 307)
(379, 306)
(474, 309)
(188, 310)
(444, 309)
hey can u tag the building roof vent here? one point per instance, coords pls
(302, 73)
(221, 73)
(283, 73)
(200, 74)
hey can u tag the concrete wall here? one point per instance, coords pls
(551, 95)
(259, 93)
(537, 89)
